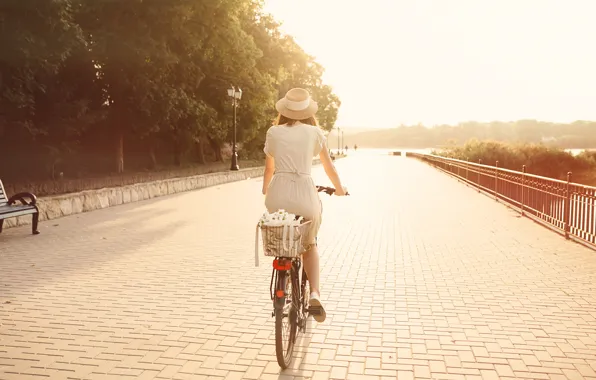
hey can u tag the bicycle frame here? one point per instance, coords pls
(277, 291)
(297, 310)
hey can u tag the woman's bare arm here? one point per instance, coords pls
(330, 170)
(269, 169)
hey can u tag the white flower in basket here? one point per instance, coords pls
(282, 235)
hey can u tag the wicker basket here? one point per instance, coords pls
(282, 241)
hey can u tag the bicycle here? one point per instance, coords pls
(290, 294)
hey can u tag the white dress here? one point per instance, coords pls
(292, 187)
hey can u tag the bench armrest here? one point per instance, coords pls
(21, 197)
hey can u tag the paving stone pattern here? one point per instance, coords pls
(424, 278)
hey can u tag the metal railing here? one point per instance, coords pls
(567, 207)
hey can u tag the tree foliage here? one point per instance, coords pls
(538, 159)
(107, 85)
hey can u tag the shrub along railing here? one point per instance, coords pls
(564, 206)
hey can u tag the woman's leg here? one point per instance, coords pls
(310, 259)
(311, 266)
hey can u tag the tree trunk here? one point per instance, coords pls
(200, 151)
(177, 152)
(216, 149)
(153, 157)
(120, 153)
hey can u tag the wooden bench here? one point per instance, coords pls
(10, 209)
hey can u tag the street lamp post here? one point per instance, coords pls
(338, 143)
(342, 141)
(235, 94)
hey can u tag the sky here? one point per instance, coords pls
(449, 61)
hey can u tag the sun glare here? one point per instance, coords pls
(434, 62)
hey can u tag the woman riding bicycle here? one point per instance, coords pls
(290, 147)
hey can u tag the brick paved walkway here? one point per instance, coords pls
(423, 278)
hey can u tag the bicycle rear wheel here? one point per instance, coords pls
(285, 318)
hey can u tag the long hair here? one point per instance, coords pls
(281, 119)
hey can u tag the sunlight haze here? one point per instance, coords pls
(436, 62)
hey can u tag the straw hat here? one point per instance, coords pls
(297, 105)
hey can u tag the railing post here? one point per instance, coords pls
(497, 180)
(467, 164)
(567, 216)
(479, 163)
(523, 187)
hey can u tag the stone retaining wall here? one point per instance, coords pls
(54, 207)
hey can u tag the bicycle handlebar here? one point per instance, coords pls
(328, 190)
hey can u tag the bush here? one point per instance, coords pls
(539, 159)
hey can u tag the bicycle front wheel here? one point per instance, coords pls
(285, 319)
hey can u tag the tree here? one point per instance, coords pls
(40, 104)
(144, 79)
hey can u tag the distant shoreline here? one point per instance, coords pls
(573, 151)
